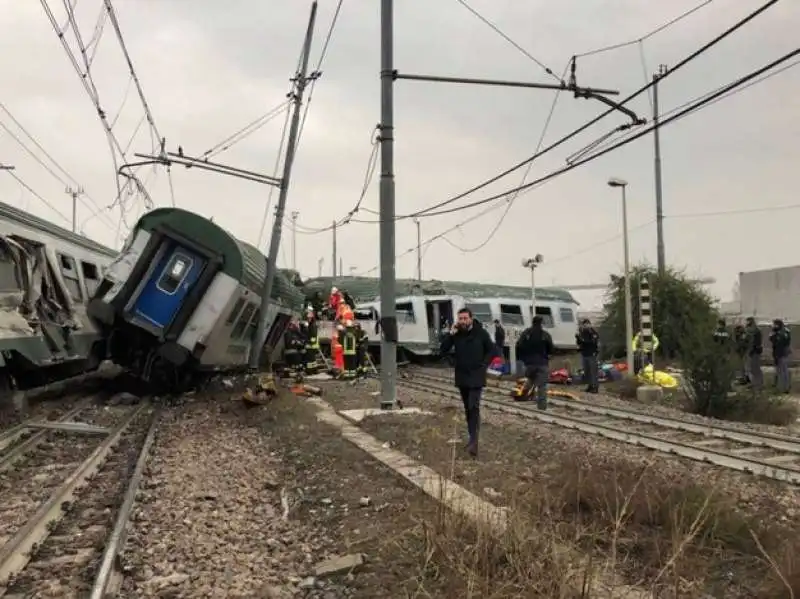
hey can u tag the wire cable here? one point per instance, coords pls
(510, 201)
(38, 196)
(704, 48)
(648, 35)
(275, 174)
(502, 34)
(695, 106)
(247, 130)
(704, 101)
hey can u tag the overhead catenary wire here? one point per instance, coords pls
(494, 27)
(510, 201)
(247, 130)
(38, 196)
(702, 102)
(686, 60)
(695, 106)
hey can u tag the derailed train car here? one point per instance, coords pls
(183, 300)
(47, 276)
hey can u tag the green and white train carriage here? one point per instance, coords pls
(183, 298)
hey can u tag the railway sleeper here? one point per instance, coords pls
(66, 560)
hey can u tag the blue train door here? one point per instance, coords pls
(169, 283)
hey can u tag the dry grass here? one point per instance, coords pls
(591, 530)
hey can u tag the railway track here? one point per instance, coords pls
(66, 492)
(765, 454)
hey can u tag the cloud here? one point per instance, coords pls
(211, 69)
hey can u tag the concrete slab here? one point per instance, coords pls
(451, 494)
(359, 415)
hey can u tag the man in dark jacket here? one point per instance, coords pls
(473, 352)
(781, 340)
(755, 347)
(499, 338)
(740, 347)
(589, 345)
(721, 335)
(534, 348)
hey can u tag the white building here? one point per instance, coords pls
(772, 293)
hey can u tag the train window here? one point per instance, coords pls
(364, 314)
(547, 316)
(244, 319)
(91, 277)
(483, 312)
(237, 307)
(70, 275)
(174, 273)
(566, 315)
(405, 313)
(253, 326)
(511, 314)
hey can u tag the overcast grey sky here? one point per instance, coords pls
(208, 68)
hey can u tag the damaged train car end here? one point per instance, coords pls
(182, 300)
(47, 276)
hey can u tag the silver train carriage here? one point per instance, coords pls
(47, 276)
(182, 300)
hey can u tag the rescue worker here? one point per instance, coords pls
(473, 351)
(721, 335)
(755, 347)
(312, 341)
(348, 341)
(534, 348)
(643, 355)
(293, 347)
(588, 342)
(362, 350)
(781, 340)
(336, 350)
(740, 347)
(334, 300)
(499, 338)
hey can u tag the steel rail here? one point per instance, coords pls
(117, 538)
(785, 443)
(10, 458)
(16, 553)
(732, 459)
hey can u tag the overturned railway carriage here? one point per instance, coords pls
(423, 307)
(47, 276)
(183, 299)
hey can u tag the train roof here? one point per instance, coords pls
(8, 212)
(365, 289)
(241, 260)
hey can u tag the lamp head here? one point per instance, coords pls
(617, 182)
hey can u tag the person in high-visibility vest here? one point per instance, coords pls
(345, 313)
(337, 349)
(643, 354)
(349, 349)
(312, 341)
(362, 348)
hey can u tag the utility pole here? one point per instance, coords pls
(419, 249)
(320, 262)
(274, 243)
(660, 255)
(295, 214)
(74, 192)
(333, 262)
(387, 213)
(341, 267)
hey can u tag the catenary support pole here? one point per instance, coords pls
(419, 248)
(628, 299)
(387, 212)
(660, 253)
(295, 214)
(334, 262)
(277, 227)
(646, 322)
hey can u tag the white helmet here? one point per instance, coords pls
(334, 290)
(348, 323)
(339, 327)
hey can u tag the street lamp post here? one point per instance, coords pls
(530, 263)
(621, 183)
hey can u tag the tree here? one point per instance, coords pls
(682, 311)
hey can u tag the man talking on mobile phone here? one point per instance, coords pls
(473, 352)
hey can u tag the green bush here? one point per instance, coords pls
(708, 372)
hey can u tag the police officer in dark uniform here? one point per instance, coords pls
(589, 345)
(721, 335)
(293, 347)
(781, 340)
(740, 347)
(755, 347)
